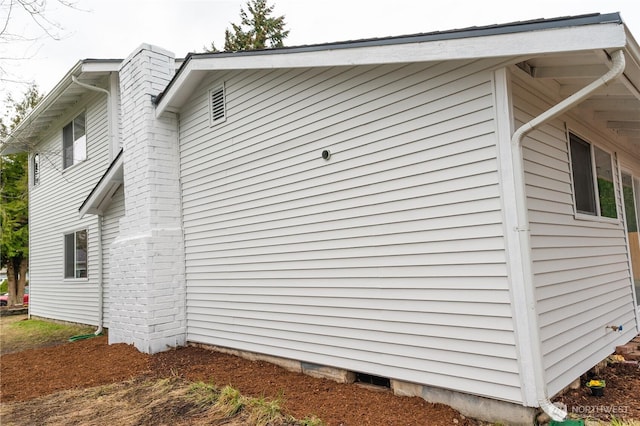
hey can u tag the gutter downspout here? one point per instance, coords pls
(100, 281)
(100, 265)
(523, 231)
(106, 92)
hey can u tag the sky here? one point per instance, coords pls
(111, 29)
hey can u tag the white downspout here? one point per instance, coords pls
(100, 280)
(106, 92)
(100, 263)
(523, 231)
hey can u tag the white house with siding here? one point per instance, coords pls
(455, 212)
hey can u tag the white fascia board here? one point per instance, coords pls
(548, 41)
(12, 144)
(101, 66)
(632, 47)
(632, 70)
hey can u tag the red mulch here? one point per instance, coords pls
(37, 372)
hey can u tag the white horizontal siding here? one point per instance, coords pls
(580, 266)
(53, 211)
(387, 259)
(110, 229)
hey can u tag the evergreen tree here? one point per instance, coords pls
(14, 198)
(258, 29)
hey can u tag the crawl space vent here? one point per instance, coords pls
(373, 380)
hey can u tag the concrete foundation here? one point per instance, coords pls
(486, 409)
(477, 407)
(324, 372)
(287, 364)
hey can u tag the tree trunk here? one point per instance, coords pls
(16, 279)
(12, 283)
(22, 279)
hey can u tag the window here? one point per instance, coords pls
(75, 254)
(593, 183)
(35, 166)
(74, 141)
(217, 110)
(629, 203)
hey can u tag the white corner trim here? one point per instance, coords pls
(517, 281)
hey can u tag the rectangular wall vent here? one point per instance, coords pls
(217, 110)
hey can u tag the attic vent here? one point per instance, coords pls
(216, 105)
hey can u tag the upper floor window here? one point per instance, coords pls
(35, 166)
(74, 141)
(593, 183)
(75, 254)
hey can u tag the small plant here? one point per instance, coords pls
(263, 412)
(616, 422)
(165, 383)
(596, 386)
(596, 383)
(229, 402)
(311, 421)
(619, 422)
(203, 394)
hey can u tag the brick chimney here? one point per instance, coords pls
(147, 299)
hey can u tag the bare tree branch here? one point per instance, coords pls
(23, 26)
(36, 11)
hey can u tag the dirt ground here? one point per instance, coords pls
(31, 376)
(621, 395)
(36, 373)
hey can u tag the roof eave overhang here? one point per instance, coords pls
(102, 194)
(20, 140)
(514, 44)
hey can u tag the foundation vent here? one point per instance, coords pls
(373, 380)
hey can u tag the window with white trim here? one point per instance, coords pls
(74, 142)
(593, 182)
(75, 254)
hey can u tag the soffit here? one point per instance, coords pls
(615, 107)
(516, 40)
(57, 103)
(101, 195)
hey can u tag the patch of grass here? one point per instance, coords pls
(264, 412)
(151, 401)
(619, 422)
(203, 394)
(229, 402)
(310, 421)
(19, 333)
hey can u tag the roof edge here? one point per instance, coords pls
(466, 41)
(11, 144)
(105, 188)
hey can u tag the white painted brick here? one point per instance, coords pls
(168, 327)
(149, 248)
